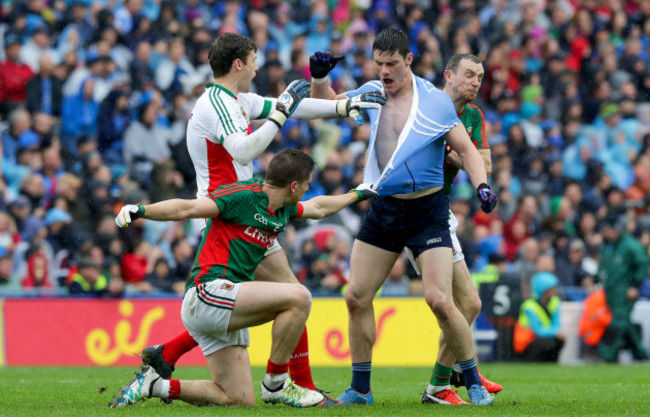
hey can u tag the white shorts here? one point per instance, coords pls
(206, 314)
(456, 250)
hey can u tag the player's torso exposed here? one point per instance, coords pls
(392, 120)
(217, 114)
(234, 243)
(414, 166)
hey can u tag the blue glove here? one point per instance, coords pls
(322, 62)
(487, 197)
(288, 101)
(292, 96)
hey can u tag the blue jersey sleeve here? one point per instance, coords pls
(439, 106)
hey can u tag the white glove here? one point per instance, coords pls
(365, 191)
(349, 107)
(128, 214)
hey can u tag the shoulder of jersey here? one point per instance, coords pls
(428, 86)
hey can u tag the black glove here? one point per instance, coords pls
(288, 101)
(364, 191)
(349, 107)
(487, 198)
(322, 62)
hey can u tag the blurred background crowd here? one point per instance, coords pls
(95, 97)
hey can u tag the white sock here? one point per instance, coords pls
(273, 382)
(160, 388)
(432, 389)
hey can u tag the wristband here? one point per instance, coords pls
(358, 193)
(342, 107)
(278, 118)
(315, 80)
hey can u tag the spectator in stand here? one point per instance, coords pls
(45, 90)
(37, 277)
(172, 71)
(9, 282)
(89, 281)
(37, 46)
(183, 258)
(79, 115)
(162, 280)
(14, 74)
(18, 135)
(145, 142)
(113, 120)
(136, 265)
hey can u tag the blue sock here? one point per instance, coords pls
(361, 377)
(470, 372)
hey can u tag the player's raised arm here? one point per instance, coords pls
(168, 210)
(326, 205)
(320, 65)
(244, 148)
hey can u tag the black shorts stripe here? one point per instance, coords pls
(211, 304)
(205, 290)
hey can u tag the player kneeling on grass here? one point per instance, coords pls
(222, 299)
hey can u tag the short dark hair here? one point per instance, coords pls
(454, 61)
(226, 49)
(390, 40)
(287, 166)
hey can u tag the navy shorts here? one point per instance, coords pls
(419, 224)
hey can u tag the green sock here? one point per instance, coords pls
(441, 375)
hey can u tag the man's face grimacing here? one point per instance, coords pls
(466, 81)
(393, 69)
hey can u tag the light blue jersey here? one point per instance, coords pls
(417, 161)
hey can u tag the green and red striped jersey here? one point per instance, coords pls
(474, 123)
(234, 243)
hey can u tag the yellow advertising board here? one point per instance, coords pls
(407, 334)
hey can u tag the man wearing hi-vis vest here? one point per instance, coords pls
(537, 335)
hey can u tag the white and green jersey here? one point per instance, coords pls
(217, 114)
(234, 243)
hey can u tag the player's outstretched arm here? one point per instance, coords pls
(314, 108)
(326, 205)
(168, 210)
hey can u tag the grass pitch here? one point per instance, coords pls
(535, 390)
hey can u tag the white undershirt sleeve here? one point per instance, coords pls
(315, 108)
(244, 148)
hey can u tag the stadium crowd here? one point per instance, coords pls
(95, 98)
